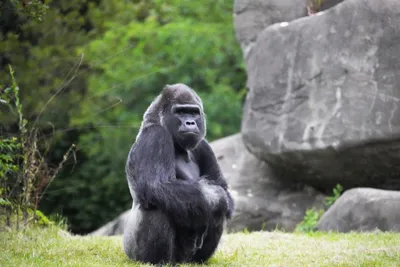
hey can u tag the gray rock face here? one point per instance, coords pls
(262, 202)
(252, 16)
(363, 209)
(115, 227)
(323, 101)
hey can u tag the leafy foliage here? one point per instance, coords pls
(24, 173)
(310, 220)
(313, 215)
(155, 55)
(90, 68)
(44, 57)
(9, 148)
(337, 192)
(35, 9)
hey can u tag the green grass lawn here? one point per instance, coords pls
(53, 247)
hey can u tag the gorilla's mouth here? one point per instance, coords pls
(188, 139)
(189, 132)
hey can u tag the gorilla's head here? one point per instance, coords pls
(179, 110)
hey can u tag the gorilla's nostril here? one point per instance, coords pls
(190, 123)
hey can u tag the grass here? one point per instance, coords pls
(54, 247)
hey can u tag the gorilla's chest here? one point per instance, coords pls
(186, 168)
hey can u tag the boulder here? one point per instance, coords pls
(323, 100)
(363, 209)
(115, 227)
(252, 16)
(262, 202)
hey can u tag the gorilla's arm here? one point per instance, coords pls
(151, 174)
(209, 168)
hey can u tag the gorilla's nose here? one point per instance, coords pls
(190, 125)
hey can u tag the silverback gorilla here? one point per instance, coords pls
(180, 198)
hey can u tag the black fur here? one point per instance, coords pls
(180, 197)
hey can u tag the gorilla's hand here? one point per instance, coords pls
(212, 173)
(225, 201)
(216, 196)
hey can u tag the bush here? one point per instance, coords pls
(24, 173)
(310, 220)
(181, 41)
(90, 68)
(313, 215)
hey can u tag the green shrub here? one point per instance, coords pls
(178, 41)
(24, 172)
(310, 220)
(313, 215)
(337, 192)
(34, 9)
(90, 68)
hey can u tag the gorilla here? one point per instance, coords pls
(180, 197)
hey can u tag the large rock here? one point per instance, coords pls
(253, 16)
(262, 202)
(323, 101)
(363, 209)
(115, 227)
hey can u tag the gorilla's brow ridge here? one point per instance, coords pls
(181, 94)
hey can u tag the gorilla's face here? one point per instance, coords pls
(185, 122)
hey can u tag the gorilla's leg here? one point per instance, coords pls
(210, 243)
(188, 241)
(149, 237)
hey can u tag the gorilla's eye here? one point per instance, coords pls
(186, 109)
